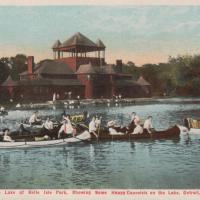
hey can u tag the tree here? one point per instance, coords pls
(4, 71)
(19, 65)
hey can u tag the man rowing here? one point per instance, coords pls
(148, 126)
(138, 129)
(93, 127)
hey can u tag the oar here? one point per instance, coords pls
(98, 131)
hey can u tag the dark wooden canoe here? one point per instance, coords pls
(104, 135)
(169, 133)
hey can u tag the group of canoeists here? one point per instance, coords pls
(68, 126)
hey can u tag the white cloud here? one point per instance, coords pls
(184, 26)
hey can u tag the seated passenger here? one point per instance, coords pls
(6, 137)
(114, 129)
(138, 129)
(34, 120)
(148, 126)
(48, 124)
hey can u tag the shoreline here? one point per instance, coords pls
(108, 102)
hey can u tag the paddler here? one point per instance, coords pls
(98, 121)
(134, 122)
(148, 126)
(93, 127)
(138, 129)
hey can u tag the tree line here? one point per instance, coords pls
(179, 76)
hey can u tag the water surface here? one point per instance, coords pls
(146, 164)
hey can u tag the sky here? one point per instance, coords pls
(141, 34)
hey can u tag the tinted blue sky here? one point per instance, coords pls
(138, 33)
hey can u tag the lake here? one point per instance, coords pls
(147, 164)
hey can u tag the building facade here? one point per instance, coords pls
(79, 69)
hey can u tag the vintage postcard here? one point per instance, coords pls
(99, 99)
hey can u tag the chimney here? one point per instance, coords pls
(30, 62)
(119, 65)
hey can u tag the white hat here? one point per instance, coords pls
(111, 123)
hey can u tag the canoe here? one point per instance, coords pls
(83, 137)
(191, 126)
(169, 133)
(76, 118)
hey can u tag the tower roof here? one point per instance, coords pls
(78, 39)
(56, 44)
(99, 43)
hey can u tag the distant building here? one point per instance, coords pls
(78, 68)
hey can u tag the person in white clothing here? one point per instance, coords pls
(48, 124)
(138, 129)
(98, 121)
(34, 120)
(6, 137)
(148, 126)
(134, 121)
(54, 97)
(66, 129)
(2, 109)
(92, 126)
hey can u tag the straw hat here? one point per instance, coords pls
(111, 123)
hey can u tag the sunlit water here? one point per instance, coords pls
(141, 164)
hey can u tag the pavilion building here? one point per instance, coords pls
(79, 67)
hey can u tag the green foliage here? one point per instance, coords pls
(4, 71)
(18, 65)
(131, 68)
(179, 76)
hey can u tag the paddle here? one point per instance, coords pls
(99, 126)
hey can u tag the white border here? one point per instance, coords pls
(98, 2)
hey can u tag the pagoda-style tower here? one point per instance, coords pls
(79, 50)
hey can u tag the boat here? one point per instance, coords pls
(3, 113)
(75, 118)
(191, 126)
(42, 142)
(169, 133)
